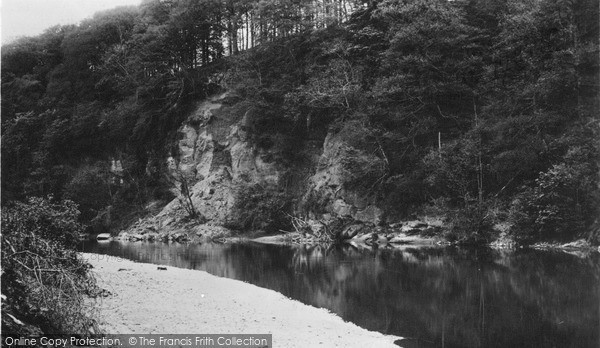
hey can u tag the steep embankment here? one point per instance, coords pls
(187, 301)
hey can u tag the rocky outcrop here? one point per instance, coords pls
(216, 154)
(328, 186)
(174, 230)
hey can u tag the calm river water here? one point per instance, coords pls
(443, 297)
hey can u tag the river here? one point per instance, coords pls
(437, 297)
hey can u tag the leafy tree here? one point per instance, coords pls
(562, 203)
(433, 60)
(94, 187)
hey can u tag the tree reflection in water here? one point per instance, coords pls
(443, 297)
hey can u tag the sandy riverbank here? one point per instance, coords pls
(147, 300)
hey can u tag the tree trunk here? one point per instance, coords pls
(234, 36)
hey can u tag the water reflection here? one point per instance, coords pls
(436, 297)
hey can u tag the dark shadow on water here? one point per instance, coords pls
(433, 297)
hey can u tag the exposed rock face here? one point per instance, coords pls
(215, 153)
(327, 186)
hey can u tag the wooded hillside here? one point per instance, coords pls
(482, 111)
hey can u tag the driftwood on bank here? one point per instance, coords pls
(335, 231)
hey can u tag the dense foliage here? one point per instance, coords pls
(488, 111)
(485, 110)
(44, 281)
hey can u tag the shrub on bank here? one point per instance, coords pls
(563, 201)
(259, 208)
(43, 278)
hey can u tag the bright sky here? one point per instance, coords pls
(32, 17)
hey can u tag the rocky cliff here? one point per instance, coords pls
(213, 154)
(329, 185)
(216, 154)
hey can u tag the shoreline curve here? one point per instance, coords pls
(145, 300)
